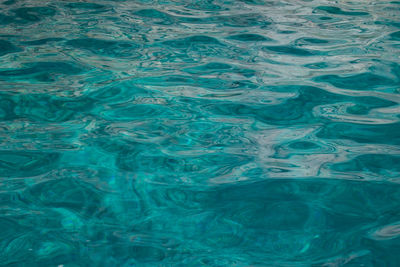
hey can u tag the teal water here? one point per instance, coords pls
(200, 133)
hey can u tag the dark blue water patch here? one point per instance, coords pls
(34, 14)
(320, 65)
(291, 50)
(362, 81)
(357, 110)
(316, 42)
(152, 13)
(142, 254)
(210, 68)
(7, 107)
(311, 41)
(278, 114)
(14, 164)
(302, 145)
(9, 2)
(111, 145)
(372, 134)
(394, 24)
(379, 164)
(85, 5)
(7, 47)
(322, 21)
(114, 94)
(259, 2)
(247, 37)
(267, 200)
(39, 107)
(295, 110)
(142, 160)
(286, 32)
(105, 47)
(4, 19)
(395, 35)
(299, 215)
(310, 94)
(43, 71)
(338, 11)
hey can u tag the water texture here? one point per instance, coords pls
(200, 133)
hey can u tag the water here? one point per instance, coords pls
(200, 133)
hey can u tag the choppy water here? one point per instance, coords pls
(200, 133)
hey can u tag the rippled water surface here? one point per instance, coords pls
(200, 133)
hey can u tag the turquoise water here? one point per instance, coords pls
(200, 133)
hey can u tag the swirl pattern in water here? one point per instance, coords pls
(200, 133)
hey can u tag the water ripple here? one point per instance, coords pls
(199, 133)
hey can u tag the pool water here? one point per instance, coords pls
(200, 133)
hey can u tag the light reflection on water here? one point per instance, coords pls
(199, 133)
